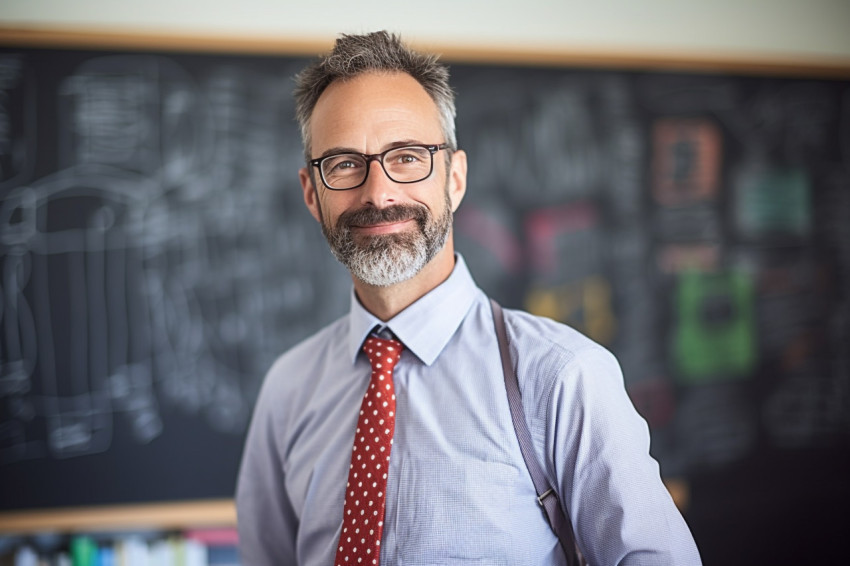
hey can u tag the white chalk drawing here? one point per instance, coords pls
(716, 425)
(548, 153)
(17, 122)
(625, 153)
(162, 266)
(564, 144)
(807, 408)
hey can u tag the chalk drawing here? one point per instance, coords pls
(162, 269)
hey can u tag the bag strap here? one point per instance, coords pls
(559, 520)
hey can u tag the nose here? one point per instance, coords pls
(379, 190)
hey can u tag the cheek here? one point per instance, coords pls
(431, 193)
(333, 204)
(440, 199)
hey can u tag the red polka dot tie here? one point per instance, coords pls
(363, 513)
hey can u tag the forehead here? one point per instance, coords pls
(372, 111)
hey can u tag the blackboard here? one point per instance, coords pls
(156, 257)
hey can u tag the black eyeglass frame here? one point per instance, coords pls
(379, 157)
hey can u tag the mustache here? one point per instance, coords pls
(369, 216)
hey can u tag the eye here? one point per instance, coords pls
(348, 164)
(408, 156)
(342, 163)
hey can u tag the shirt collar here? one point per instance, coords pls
(426, 326)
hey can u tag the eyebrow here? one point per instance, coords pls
(391, 145)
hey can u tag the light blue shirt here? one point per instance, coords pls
(458, 491)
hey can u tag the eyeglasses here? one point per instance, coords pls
(408, 164)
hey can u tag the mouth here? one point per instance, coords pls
(382, 227)
(376, 222)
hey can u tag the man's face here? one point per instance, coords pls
(383, 231)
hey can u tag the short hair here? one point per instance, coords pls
(379, 51)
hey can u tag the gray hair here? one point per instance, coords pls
(380, 51)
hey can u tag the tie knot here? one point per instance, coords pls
(382, 352)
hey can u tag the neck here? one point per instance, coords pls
(386, 302)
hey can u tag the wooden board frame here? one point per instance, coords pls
(560, 56)
(157, 516)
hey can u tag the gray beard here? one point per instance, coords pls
(388, 259)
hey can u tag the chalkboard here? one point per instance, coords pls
(157, 257)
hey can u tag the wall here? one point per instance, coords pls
(814, 30)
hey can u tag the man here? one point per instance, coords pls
(449, 484)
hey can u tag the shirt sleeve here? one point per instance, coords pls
(265, 518)
(611, 486)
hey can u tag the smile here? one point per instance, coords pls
(383, 227)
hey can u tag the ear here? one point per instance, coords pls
(311, 196)
(457, 178)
